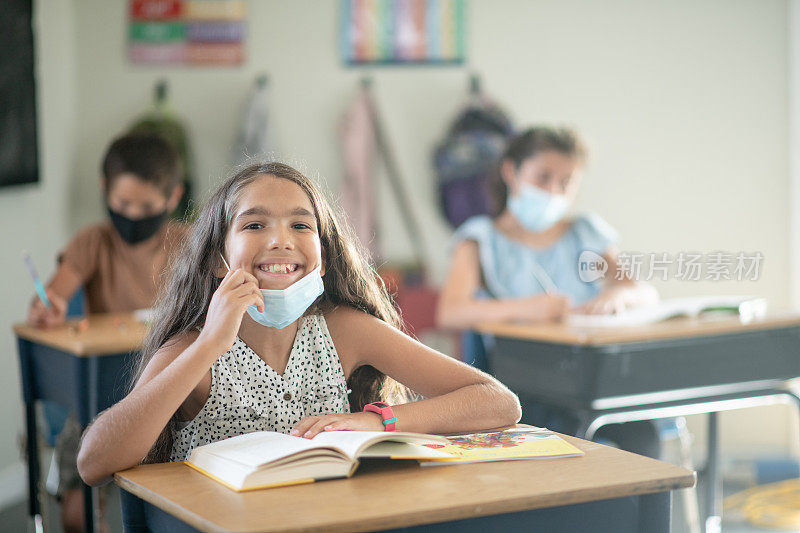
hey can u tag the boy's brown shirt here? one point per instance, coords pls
(118, 276)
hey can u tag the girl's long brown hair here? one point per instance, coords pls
(349, 280)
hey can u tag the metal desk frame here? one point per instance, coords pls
(779, 393)
(590, 375)
(85, 385)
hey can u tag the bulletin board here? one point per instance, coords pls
(402, 31)
(18, 146)
(186, 32)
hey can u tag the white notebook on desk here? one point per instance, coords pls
(747, 307)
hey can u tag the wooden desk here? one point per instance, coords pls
(605, 490)
(681, 327)
(83, 367)
(672, 368)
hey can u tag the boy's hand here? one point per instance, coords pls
(310, 426)
(237, 291)
(47, 317)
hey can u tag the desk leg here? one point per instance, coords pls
(88, 508)
(713, 481)
(655, 512)
(87, 388)
(31, 435)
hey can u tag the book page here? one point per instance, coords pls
(350, 442)
(516, 443)
(401, 450)
(258, 448)
(347, 441)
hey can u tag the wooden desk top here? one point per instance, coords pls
(400, 493)
(104, 334)
(683, 327)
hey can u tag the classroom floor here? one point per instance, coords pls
(729, 525)
(15, 518)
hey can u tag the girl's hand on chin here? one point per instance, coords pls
(237, 291)
(311, 426)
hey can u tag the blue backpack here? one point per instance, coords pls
(465, 160)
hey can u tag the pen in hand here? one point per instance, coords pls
(37, 282)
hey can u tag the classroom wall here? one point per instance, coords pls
(684, 105)
(36, 217)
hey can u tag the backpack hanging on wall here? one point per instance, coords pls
(465, 160)
(161, 121)
(254, 136)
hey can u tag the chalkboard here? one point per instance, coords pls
(18, 151)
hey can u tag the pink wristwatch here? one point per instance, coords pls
(385, 412)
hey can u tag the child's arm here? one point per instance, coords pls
(59, 290)
(123, 435)
(619, 294)
(458, 307)
(458, 397)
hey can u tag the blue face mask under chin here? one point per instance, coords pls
(536, 209)
(284, 306)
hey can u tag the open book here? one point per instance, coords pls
(746, 306)
(266, 459)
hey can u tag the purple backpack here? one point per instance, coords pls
(465, 160)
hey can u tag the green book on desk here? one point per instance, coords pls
(747, 307)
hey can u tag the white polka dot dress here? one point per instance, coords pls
(247, 395)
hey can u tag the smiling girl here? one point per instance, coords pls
(297, 336)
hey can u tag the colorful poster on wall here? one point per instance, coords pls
(403, 31)
(186, 32)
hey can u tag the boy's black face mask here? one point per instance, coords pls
(141, 229)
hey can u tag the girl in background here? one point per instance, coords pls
(522, 264)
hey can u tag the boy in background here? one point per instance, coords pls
(119, 263)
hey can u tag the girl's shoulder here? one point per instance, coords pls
(167, 353)
(176, 344)
(353, 329)
(475, 228)
(593, 232)
(478, 229)
(345, 318)
(350, 331)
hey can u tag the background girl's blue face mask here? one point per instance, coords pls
(284, 306)
(536, 209)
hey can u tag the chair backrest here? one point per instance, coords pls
(138, 516)
(77, 304)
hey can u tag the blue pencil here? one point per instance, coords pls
(36, 281)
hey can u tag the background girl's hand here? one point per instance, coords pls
(545, 307)
(310, 426)
(47, 317)
(237, 291)
(609, 301)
